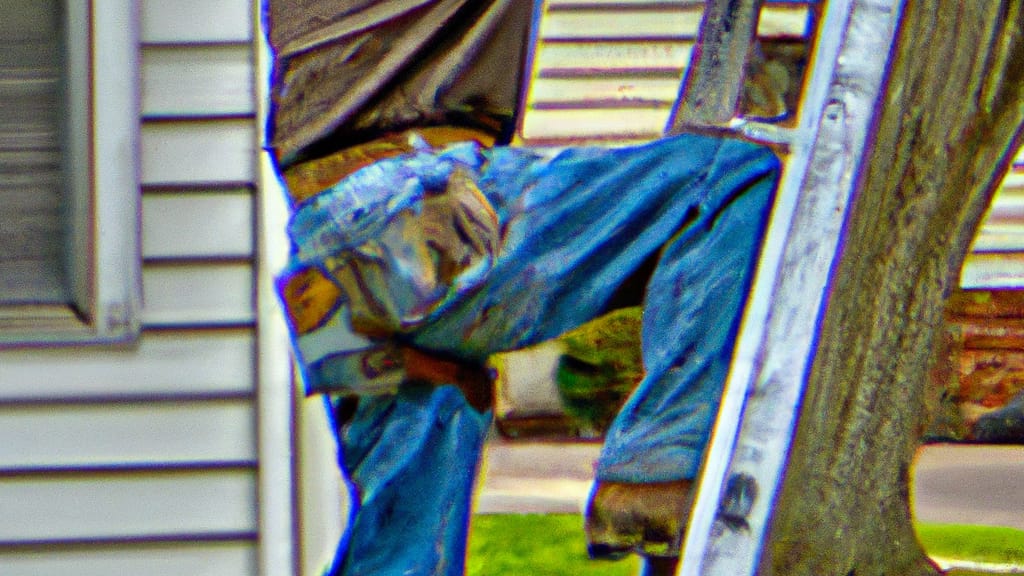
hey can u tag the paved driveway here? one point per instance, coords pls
(970, 485)
(953, 483)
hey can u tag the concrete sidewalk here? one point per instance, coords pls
(533, 477)
(965, 484)
(970, 484)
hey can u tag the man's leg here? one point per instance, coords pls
(581, 227)
(574, 228)
(692, 311)
(411, 459)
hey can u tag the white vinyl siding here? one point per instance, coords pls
(997, 259)
(214, 559)
(190, 432)
(611, 71)
(190, 505)
(623, 23)
(143, 459)
(165, 364)
(197, 22)
(207, 151)
(208, 215)
(187, 293)
(607, 72)
(203, 79)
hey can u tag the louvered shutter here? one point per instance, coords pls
(31, 150)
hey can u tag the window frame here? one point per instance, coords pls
(102, 219)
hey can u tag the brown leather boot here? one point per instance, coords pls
(646, 519)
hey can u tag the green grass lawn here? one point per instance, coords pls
(538, 545)
(553, 545)
(994, 544)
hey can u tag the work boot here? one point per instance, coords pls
(646, 519)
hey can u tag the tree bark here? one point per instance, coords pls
(948, 124)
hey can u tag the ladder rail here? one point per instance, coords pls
(751, 334)
(746, 458)
(710, 92)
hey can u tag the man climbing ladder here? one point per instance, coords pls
(422, 244)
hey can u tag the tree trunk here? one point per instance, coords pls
(951, 115)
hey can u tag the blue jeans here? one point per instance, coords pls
(574, 227)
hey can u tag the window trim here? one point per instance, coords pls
(103, 257)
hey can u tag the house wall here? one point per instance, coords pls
(146, 459)
(609, 71)
(982, 367)
(997, 256)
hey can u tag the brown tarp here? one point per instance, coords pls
(348, 70)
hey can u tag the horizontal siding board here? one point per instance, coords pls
(197, 225)
(123, 434)
(187, 153)
(608, 57)
(188, 21)
(776, 19)
(197, 80)
(784, 22)
(164, 364)
(173, 559)
(1003, 227)
(595, 123)
(635, 89)
(127, 505)
(993, 270)
(1007, 206)
(1014, 179)
(625, 22)
(574, 4)
(999, 238)
(197, 294)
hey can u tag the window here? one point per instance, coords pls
(69, 265)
